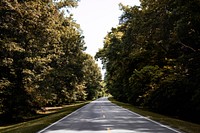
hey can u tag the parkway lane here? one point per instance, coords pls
(102, 116)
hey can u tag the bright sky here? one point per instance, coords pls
(96, 18)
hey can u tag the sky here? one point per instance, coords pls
(96, 18)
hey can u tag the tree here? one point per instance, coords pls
(154, 61)
(92, 78)
(41, 57)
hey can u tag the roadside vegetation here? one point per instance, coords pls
(181, 125)
(42, 59)
(41, 120)
(152, 58)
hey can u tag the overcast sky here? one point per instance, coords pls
(96, 18)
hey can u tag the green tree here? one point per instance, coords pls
(92, 78)
(155, 63)
(41, 56)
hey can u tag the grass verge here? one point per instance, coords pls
(38, 124)
(180, 125)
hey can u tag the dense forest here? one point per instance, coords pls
(152, 58)
(42, 58)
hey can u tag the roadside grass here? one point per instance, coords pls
(180, 125)
(37, 124)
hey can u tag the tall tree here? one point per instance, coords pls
(153, 62)
(41, 52)
(92, 78)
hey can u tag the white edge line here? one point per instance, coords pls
(162, 125)
(61, 119)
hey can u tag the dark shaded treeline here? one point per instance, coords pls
(152, 58)
(42, 58)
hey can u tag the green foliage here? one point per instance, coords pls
(143, 83)
(92, 78)
(152, 57)
(42, 60)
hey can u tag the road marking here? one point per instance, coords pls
(62, 118)
(165, 126)
(108, 129)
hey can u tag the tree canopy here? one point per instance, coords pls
(43, 62)
(152, 58)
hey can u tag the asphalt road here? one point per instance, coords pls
(101, 116)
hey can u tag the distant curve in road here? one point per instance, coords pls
(102, 116)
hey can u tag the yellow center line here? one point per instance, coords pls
(108, 129)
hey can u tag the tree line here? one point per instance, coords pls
(43, 62)
(152, 58)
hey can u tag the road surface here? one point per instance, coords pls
(102, 116)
